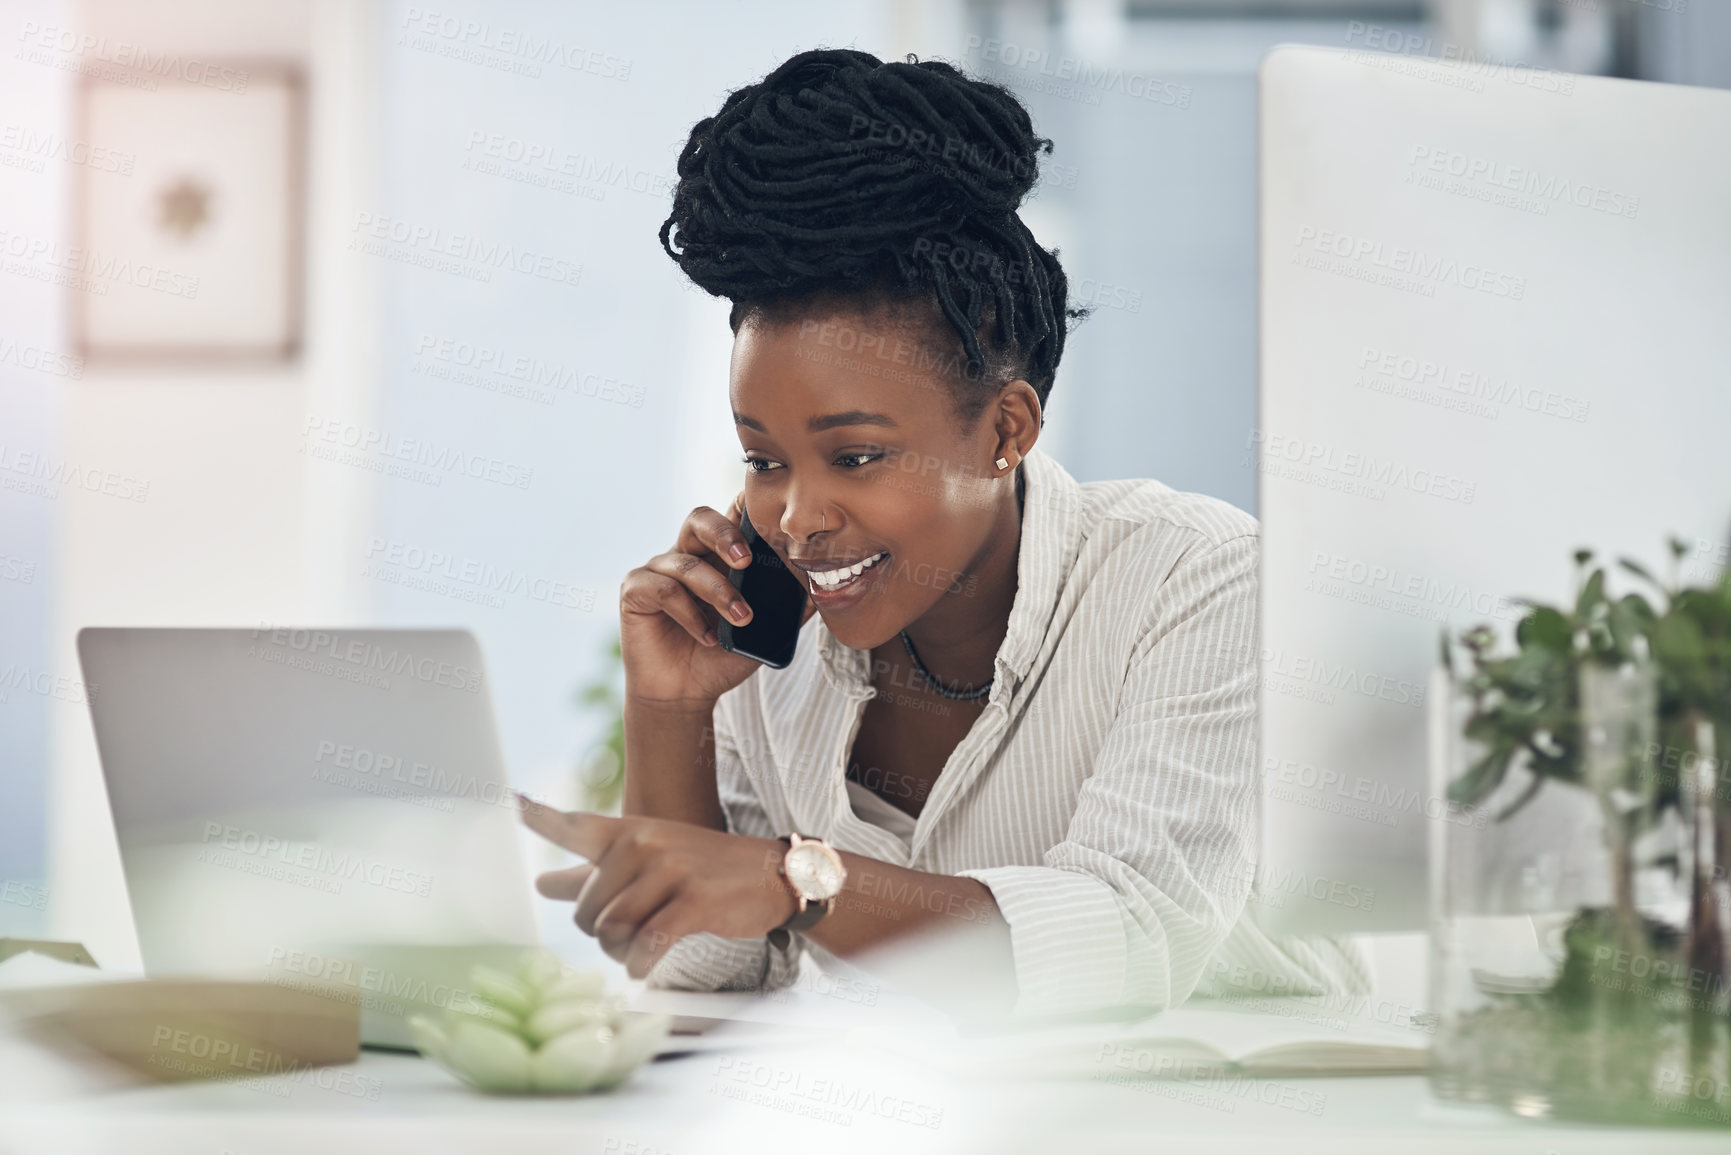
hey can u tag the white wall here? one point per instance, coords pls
(236, 527)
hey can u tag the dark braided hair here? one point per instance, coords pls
(842, 180)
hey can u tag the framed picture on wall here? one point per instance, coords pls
(188, 217)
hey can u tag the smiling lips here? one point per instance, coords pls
(834, 579)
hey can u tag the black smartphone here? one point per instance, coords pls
(777, 601)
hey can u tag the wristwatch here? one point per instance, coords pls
(815, 874)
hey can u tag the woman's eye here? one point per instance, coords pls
(848, 460)
(857, 458)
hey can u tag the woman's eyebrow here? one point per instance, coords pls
(851, 417)
(829, 421)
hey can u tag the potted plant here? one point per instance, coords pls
(601, 773)
(1580, 949)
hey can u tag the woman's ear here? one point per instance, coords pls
(1016, 423)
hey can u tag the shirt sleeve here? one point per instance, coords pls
(1157, 861)
(708, 962)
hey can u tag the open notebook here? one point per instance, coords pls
(1192, 1041)
(1282, 1038)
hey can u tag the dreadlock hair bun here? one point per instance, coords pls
(840, 176)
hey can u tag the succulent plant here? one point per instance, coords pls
(546, 1029)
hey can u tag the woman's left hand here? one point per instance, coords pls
(650, 882)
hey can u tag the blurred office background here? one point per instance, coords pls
(253, 473)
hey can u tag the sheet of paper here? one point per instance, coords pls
(28, 969)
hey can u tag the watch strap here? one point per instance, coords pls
(782, 936)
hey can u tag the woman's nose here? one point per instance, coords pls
(801, 520)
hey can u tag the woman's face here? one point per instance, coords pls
(854, 453)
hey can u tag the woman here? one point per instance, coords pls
(1019, 704)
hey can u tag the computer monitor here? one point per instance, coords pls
(1495, 327)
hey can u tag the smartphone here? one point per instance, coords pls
(777, 601)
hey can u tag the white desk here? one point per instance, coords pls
(685, 1106)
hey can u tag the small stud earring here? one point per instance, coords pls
(1002, 464)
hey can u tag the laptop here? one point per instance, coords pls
(324, 809)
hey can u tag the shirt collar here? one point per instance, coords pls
(1051, 539)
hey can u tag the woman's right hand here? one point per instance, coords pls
(668, 610)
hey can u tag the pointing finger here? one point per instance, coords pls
(586, 834)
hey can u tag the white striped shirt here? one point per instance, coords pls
(1108, 794)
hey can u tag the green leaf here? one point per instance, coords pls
(1638, 570)
(479, 1008)
(1593, 593)
(552, 1019)
(634, 1041)
(1677, 640)
(1544, 627)
(1630, 623)
(1706, 608)
(575, 1061)
(540, 968)
(491, 1059)
(1482, 777)
(1641, 608)
(577, 985)
(502, 990)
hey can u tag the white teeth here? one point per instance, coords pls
(836, 578)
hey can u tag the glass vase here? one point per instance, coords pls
(1578, 947)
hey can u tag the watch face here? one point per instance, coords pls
(814, 872)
